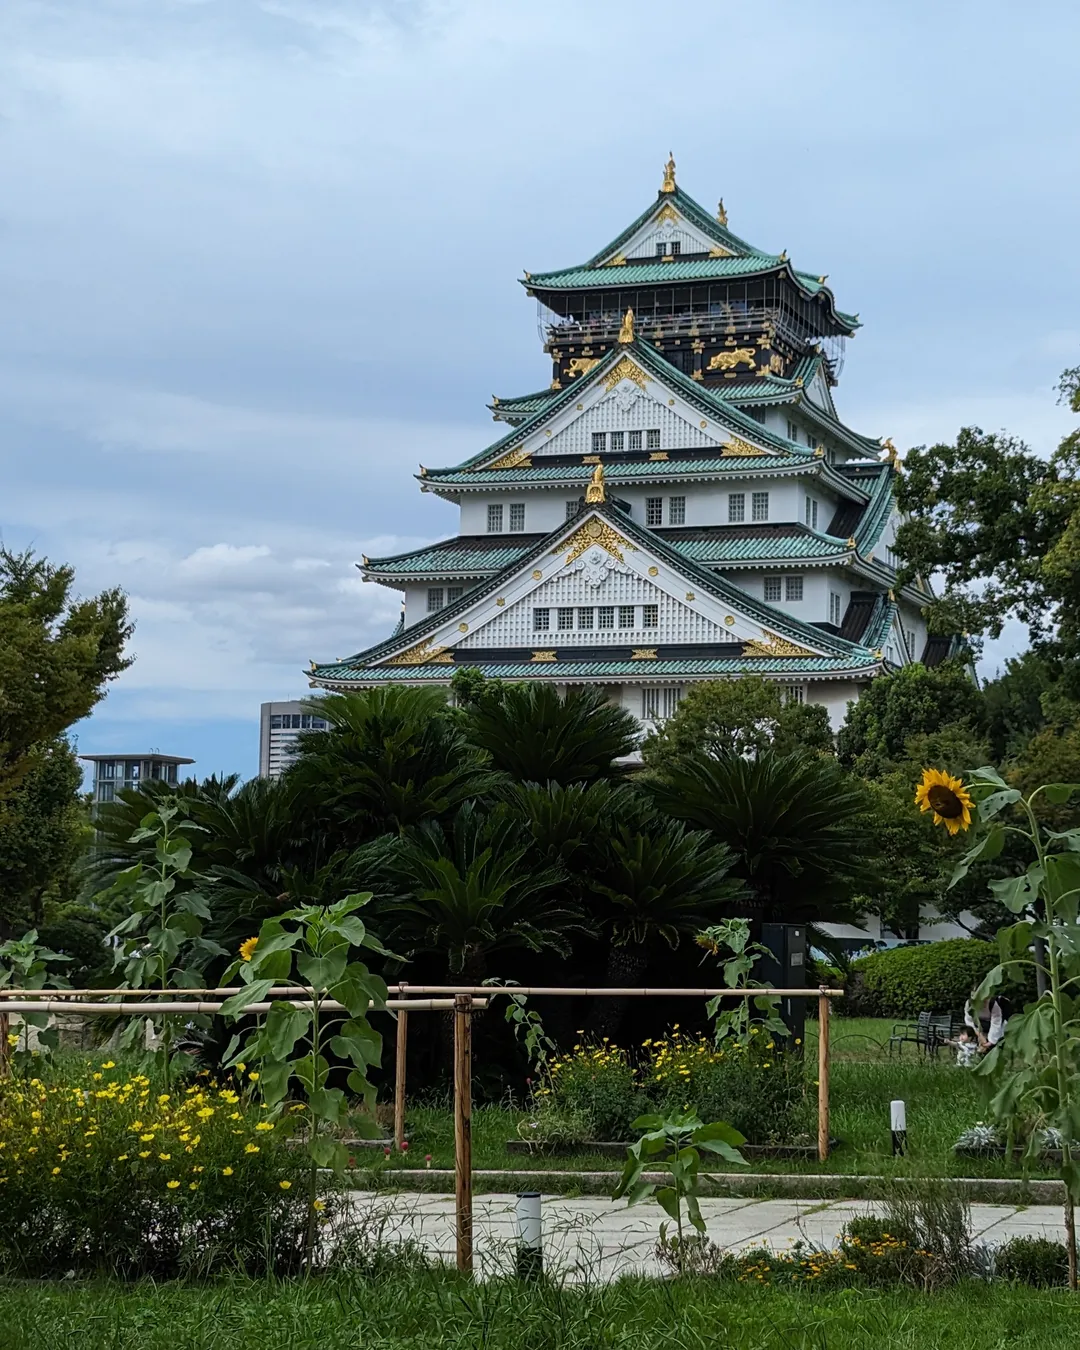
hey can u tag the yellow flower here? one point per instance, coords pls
(56, 1171)
(164, 1156)
(251, 1148)
(247, 948)
(318, 1204)
(285, 1185)
(265, 1125)
(145, 1153)
(253, 1077)
(947, 798)
(109, 1064)
(226, 1171)
(193, 1185)
(172, 1185)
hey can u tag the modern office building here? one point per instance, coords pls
(682, 502)
(113, 772)
(280, 724)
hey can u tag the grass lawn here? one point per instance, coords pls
(941, 1101)
(435, 1310)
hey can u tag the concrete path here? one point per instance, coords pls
(595, 1238)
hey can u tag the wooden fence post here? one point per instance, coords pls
(463, 1130)
(823, 1077)
(399, 1072)
(5, 1049)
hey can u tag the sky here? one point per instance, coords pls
(259, 259)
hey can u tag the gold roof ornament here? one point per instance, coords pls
(595, 493)
(892, 455)
(721, 212)
(783, 256)
(668, 185)
(626, 332)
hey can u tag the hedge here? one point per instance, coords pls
(934, 976)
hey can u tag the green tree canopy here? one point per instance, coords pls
(57, 654)
(743, 716)
(915, 701)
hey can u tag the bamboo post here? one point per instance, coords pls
(463, 1130)
(399, 1072)
(823, 1077)
(5, 1049)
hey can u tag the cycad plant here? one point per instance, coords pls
(538, 735)
(793, 823)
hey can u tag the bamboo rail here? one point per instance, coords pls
(451, 990)
(152, 1009)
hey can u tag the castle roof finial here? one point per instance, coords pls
(626, 332)
(595, 491)
(721, 212)
(668, 185)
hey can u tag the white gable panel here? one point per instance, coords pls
(627, 408)
(664, 228)
(818, 390)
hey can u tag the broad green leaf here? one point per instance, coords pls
(1015, 893)
(988, 847)
(987, 774)
(320, 972)
(312, 1072)
(359, 1042)
(997, 801)
(329, 1104)
(719, 1129)
(647, 1123)
(194, 902)
(693, 1209)
(353, 930)
(254, 992)
(273, 1081)
(724, 1150)
(347, 905)
(283, 1028)
(993, 981)
(1063, 885)
(324, 1152)
(1059, 793)
(668, 1200)
(1071, 838)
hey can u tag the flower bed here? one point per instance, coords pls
(109, 1173)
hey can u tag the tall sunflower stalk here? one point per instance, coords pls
(1034, 1072)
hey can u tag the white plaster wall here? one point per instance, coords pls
(818, 582)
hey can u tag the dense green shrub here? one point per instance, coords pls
(1033, 1260)
(905, 981)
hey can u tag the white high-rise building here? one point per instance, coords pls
(279, 726)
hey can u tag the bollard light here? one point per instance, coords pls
(898, 1125)
(530, 1251)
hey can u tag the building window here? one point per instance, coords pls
(793, 431)
(572, 509)
(835, 609)
(436, 598)
(672, 699)
(106, 792)
(454, 594)
(107, 767)
(132, 770)
(652, 439)
(793, 693)
(657, 703)
(654, 510)
(650, 616)
(605, 616)
(813, 514)
(634, 440)
(676, 511)
(772, 588)
(626, 616)
(793, 588)
(675, 247)
(599, 442)
(541, 620)
(617, 438)
(806, 510)
(585, 618)
(517, 517)
(566, 617)
(736, 507)
(495, 514)
(759, 509)
(661, 249)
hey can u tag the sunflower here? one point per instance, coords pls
(947, 798)
(247, 948)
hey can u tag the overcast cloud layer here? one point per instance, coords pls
(259, 260)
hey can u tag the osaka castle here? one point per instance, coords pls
(680, 502)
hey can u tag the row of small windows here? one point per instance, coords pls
(659, 704)
(654, 510)
(588, 618)
(736, 507)
(792, 588)
(669, 250)
(438, 597)
(297, 722)
(517, 518)
(602, 441)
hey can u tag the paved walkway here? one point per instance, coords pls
(595, 1238)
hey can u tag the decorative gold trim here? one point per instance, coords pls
(581, 365)
(891, 455)
(423, 654)
(697, 375)
(590, 459)
(668, 185)
(594, 493)
(719, 252)
(658, 455)
(666, 212)
(626, 370)
(819, 452)
(743, 449)
(537, 575)
(364, 560)
(851, 541)
(617, 261)
(643, 654)
(729, 360)
(729, 619)
(500, 601)
(423, 471)
(774, 645)
(671, 403)
(626, 331)
(654, 571)
(555, 384)
(703, 424)
(494, 400)
(463, 627)
(520, 458)
(721, 212)
(544, 656)
(595, 531)
(690, 595)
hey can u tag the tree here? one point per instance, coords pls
(537, 735)
(743, 716)
(915, 701)
(793, 823)
(43, 828)
(1002, 526)
(57, 654)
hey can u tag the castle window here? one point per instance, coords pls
(672, 699)
(652, 439)
(736, 507)
(759, 506)
(650, 616)
(676, 511)
(495, 519)
(436, 598)
(453, 594)
(566, 617)
(572, 508)
(793, 588)
(617, 438)
(793, 693)
(650, 705)
(541, 620)
(772, 588)
(605, 616)
(793, 431)
(626, 616)
(835, 609)
(635, 440)
(585, 618)
(674, 247)
(599, 442)
(517, 517)
(654, 510)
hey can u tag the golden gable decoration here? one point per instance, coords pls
(423, 654)
(774, 645)
(595, 531)
(625, 370)
(742, 449)
(643, 654)
(667, 212)
(513, 459)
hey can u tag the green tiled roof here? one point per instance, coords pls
(522, 405)
(615, 473)
(452, 559)
(349, 671)
(648, 271)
